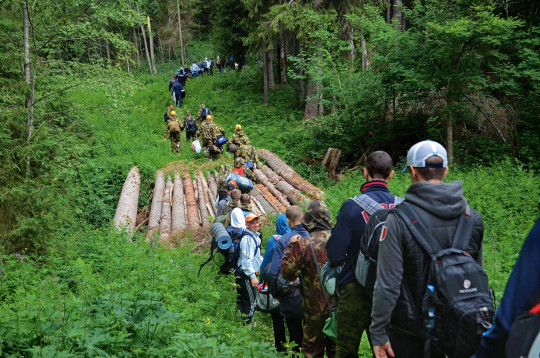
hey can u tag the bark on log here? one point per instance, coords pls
(202, 203)
(271, 199)
(276, 193)
(126, 211)
(288, 173)
(272, 176)
(212, 185)
(217, 176)
(267, 207)
(155, 209)
(192, 214)
(293, 195)
(206, 192)
(178, 215)
(331, 160)
(166, 213)
(258, 205)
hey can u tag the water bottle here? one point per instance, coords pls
(428, 309)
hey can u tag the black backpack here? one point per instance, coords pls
(205, 112)
(165, 117)
(524, 335)
(457, 306)
(191, 125)
(366, 266)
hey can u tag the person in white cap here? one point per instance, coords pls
(403, 265)
(249, 265)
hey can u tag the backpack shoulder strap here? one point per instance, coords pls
(367, 203)
(418, 229)
(463, 230)
(398, 200)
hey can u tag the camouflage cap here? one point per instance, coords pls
(317, 217)
(238, 162)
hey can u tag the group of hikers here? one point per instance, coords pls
(407, 271)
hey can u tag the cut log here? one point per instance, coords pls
(166, 213)
(288, 173)
(331, 160)
(272, 176)
(258, 205)
(276, 193)
(210, 212)
(217, 177)
(192, 214)
(206, 192)
(178, 214)
(271, 199)
(155, 209)
(212, 185)
(292, 194)
(202, 203)
(126, 211)
(268, 208)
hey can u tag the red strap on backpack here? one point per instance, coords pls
(535, 309)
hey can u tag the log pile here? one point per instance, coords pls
(126, 211)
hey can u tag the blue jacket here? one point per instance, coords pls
(177, 88)
(343, 245)
(522, 285)
(282, 228)
(278, 255)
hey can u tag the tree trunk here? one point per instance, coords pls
(331, 160)
(265, 73)
(389, 11)
(272, 176)
(155, 208)
(178, 220)
(269, 208)
(126, 211)
(450, 137)
(314, 105)
(271, 187)
(107, 49)
(192, 215)
(151, 45)
(202, 203)
(398, 14)
(365, 57)
(212, 185)
(166, 214)
(278, 206)
(137, 48)
(299, 72)
(293, 195)
(29, 78)
(283, 57)
(145, 45)
(270, 68)
(257, 205)
(180, 32)
(207, 195)
(26, 40)
(289, 174)
(160, 46)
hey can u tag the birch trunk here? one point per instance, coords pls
(137, 48)
(192, 215)
(265, 73)
(166, 214)
(151, 45)
(126, 211)
(155, 208)
(178, 220)
(145, 44)
(180, 32)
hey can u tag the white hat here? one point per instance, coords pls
(421, 151)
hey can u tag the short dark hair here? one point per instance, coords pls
(294, 213)
(379, 165)
(432, 173)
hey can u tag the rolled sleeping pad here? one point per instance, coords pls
(244, 184)
(220, 234)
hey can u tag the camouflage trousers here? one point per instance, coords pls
(175, 142)
(353, 318)
(315, 341)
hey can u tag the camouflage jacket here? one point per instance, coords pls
(248, 153)
(173, 123)
(169, 116)
(209, 131)
(298, 260)
(239, 139)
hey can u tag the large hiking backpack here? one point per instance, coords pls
(524, 335)
(191, 125)
(205, 111)
(174, 127)
(457, 305)
(244, 184)
(375, 214)
(166, 117)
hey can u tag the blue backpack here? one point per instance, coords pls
(205, 112)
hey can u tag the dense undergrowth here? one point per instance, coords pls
(92, 293)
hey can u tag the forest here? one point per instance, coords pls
(83, 95)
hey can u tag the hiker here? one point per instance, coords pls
(210, 132)
(211, 67)
(288, 292)
(201, 115)
(305, 256)
(247, 153)
(191, 127)
(239, 138)
(278, 321)
(222, 202)
(174, 127)
(403, 265)
(219, 65)
(200, 65)
(167, 116)
(241, 169)
(343, 247)
(233, 203)
(181, 76)
(522, 293)
(194, 69)
(249, 264)
(172, 82)
(176, 93)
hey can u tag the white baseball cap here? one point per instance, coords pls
(421, 151)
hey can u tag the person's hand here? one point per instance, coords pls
(254, 282)
(383, 351)
(164, 138)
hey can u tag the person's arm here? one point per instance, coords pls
(340, 238)
(274, 268)
(268, 253)
(387, 285)
(291, 264)
(247, 254)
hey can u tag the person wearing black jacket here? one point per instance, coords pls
(176, 93)
(403, 266)
(343, 247)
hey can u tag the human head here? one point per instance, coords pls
(252, 222)
(282, 227)
(378, 166)
(294, 215)
(171, 105)
(238, 162)
(188, 113)
(238, 127)
(232, 148)
(173, 77)
(229, 187)
(202, 105)
(173, 113)
(209, 117)
(317, 217)
(245, 199)
(235, 194)
(427, 161)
